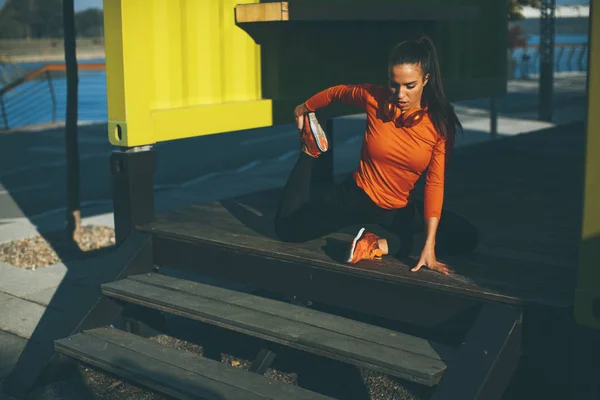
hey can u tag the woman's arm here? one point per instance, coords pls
(434, 198)
(349, 94)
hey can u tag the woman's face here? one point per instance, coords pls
(406, 85)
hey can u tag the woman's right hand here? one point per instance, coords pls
(299, 115)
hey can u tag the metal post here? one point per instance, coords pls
(525, 58)
(547, 8)
(581, 57)
(493, 118)
(133, 188)
(73, 201)
(52, 95)
(4, 118)
(561, 51)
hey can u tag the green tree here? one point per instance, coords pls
(10, 26)
(21, 19)
(14, 19)
(90, 23)
(516, 6)
(46, 19)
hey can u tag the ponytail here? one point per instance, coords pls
(422, 51)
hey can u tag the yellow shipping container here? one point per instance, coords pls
(179, 68)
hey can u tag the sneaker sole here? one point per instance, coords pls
(317, 132)
(354, 242)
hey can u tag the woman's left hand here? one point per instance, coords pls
(428, 260)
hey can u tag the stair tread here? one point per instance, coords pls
(324, 334)
(174, 372)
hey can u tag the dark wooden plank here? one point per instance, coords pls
(429, 308)
(176, 373)
(292, 314)
(214, 224)
(487, 358)
(401, 363)
(315, 11)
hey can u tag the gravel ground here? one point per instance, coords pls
(326, 376)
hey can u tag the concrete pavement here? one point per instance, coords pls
(32, 172)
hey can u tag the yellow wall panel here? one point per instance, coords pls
(225, 117)
(180, 57)
(209, 62)
(115, 85)
(240, 84)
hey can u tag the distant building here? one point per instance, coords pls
(570, 20)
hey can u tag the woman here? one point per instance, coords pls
(410, 128)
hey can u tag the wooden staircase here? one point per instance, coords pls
(158, 367)
(230, 243)
(481, 365)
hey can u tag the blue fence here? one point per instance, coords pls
(44, 99)
(570, 54)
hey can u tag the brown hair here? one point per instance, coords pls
(421, 51)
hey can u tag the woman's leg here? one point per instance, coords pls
(297, 188)
(455, 234)
(299, 219)
(384, 232)
(397, 228)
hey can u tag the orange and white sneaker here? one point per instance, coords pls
(312, 135)
(364, 247)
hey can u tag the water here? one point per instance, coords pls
(31, 103)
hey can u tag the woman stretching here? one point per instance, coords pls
(410, 128)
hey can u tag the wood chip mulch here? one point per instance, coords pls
(54, 247)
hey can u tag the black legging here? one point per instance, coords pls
(300, 219)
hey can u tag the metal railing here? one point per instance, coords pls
(40, 96)
(525, 61)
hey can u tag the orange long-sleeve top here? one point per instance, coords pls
(393, 157)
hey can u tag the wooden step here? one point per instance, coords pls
(236, 238)
(173, 372)
(346, 340)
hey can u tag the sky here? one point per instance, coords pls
(79, 4)
(85, 4)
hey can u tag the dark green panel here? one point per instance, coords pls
(301, 58)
